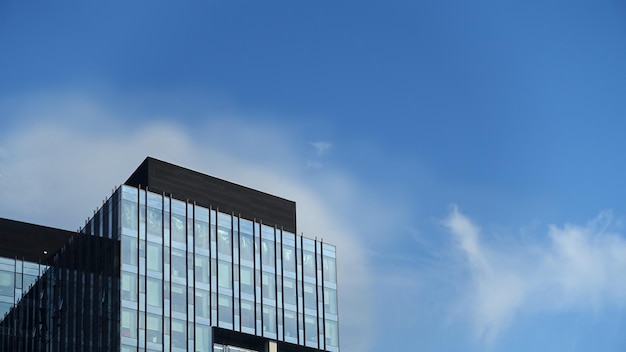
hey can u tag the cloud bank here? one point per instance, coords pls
(570, 268)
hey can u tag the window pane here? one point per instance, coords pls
(179, 333)
(202, 234)
(330, 301)
(129, 214)
(129, 250)
(308, 260)
(154, 292)
(309, 296)
(269, 319)
(154, 257)
(289, 259)
(129, 323)
(246, 247)
(203, 338)
(154, 327)
(179, 263)
(247, 314)
(202, 304)
(178, 228)
(179, 298)
(224, 274)
(129, 286)
(267, 253)
(289, 290)
(247, 280)
(331, 333)
(7, 282)
(269, 288)
(291, 327)
(310, 329)
(330, 271)
(155, 221)
(224, 241)
(225, 309)
(202, 269)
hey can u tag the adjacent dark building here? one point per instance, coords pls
(174, 261)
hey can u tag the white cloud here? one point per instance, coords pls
(69, 152)
(321, 147)
(574, 267)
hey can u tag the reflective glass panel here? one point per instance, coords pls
(291, 327)
(246, 247)
(224, 274)
(154, 258)
(225, 309)
(247, 280)
(154, 328)
(154, 292)
(269, 319)
(247, 314)
(129, 286)
(129, 250)
(330, 270)
(289, 291)
(332, 338)
(330, 301)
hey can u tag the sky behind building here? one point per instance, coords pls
(465, 157)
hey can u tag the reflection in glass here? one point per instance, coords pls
(129, 250)
(129, 214)
(224, 309)
(179, 263)
(330, 270)
(310, 328)
(289, 259)
(179, 298)
(154, 292)
(224, 274)
(309, 296)
(7, 280)
(128, 323)
(154, 221)
(246, 278)
(330, 301)
(154, 331)
(246, 247)
(291, 327)
(267, 253)
(308, 260)
(129, 286)
(202, 269)
(247, 314)
(289, 291)
(154, 257)
(179, 333)
(178, 228)
(269, 288)
(269, 319)
(331, 333)
(203, 338)
(202, 235)
(223, 241)
(202, 304)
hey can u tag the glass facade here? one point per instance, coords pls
(186, 268)
(152, 273)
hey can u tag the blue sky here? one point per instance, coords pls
(465, 156)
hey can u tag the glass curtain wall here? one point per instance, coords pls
(186, 268)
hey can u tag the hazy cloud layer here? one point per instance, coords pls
(67, 155)
(570, 268)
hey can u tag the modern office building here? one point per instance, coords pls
(174, 260)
